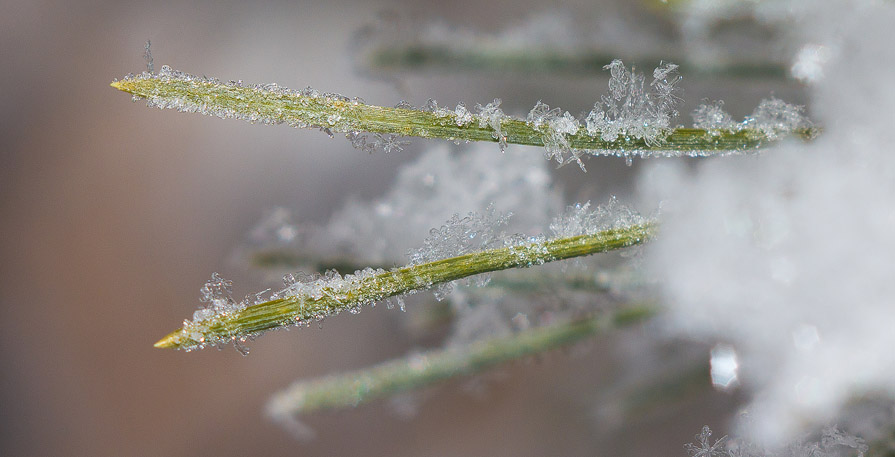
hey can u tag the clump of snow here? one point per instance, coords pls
(787, 256)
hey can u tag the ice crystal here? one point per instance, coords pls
(775, 118)
(629, 111)
(555, 126)
(579, 219)
(461, 115)
(217, 305)
(462, 235)
(712, 117)
(492, 116)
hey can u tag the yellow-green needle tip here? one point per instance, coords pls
(169, 341)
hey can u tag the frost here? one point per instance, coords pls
(775, 118)
(318, 107)
(555, 128)
(471, 233)
(492, 116)
(462, 115)
(629, 111)
(772, 118)
(712, 117)
(458, 236)
(579, 219)
(217, 305)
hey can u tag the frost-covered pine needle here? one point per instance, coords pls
(422, 369)
(305, 300)
(632, 121)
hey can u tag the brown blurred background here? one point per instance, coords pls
(113, 215)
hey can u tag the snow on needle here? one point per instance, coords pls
(635, 122)
(302, 302)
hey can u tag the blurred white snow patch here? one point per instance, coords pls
(788, 256)
(809, 63)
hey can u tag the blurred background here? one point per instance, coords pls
(113, 216)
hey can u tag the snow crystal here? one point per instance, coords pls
(631, 112)
(555, 128)
(712, 117)
(217, 305)
(775, 118)
(492, 116)
(471, 233)
(462, 115)
(579, 219)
